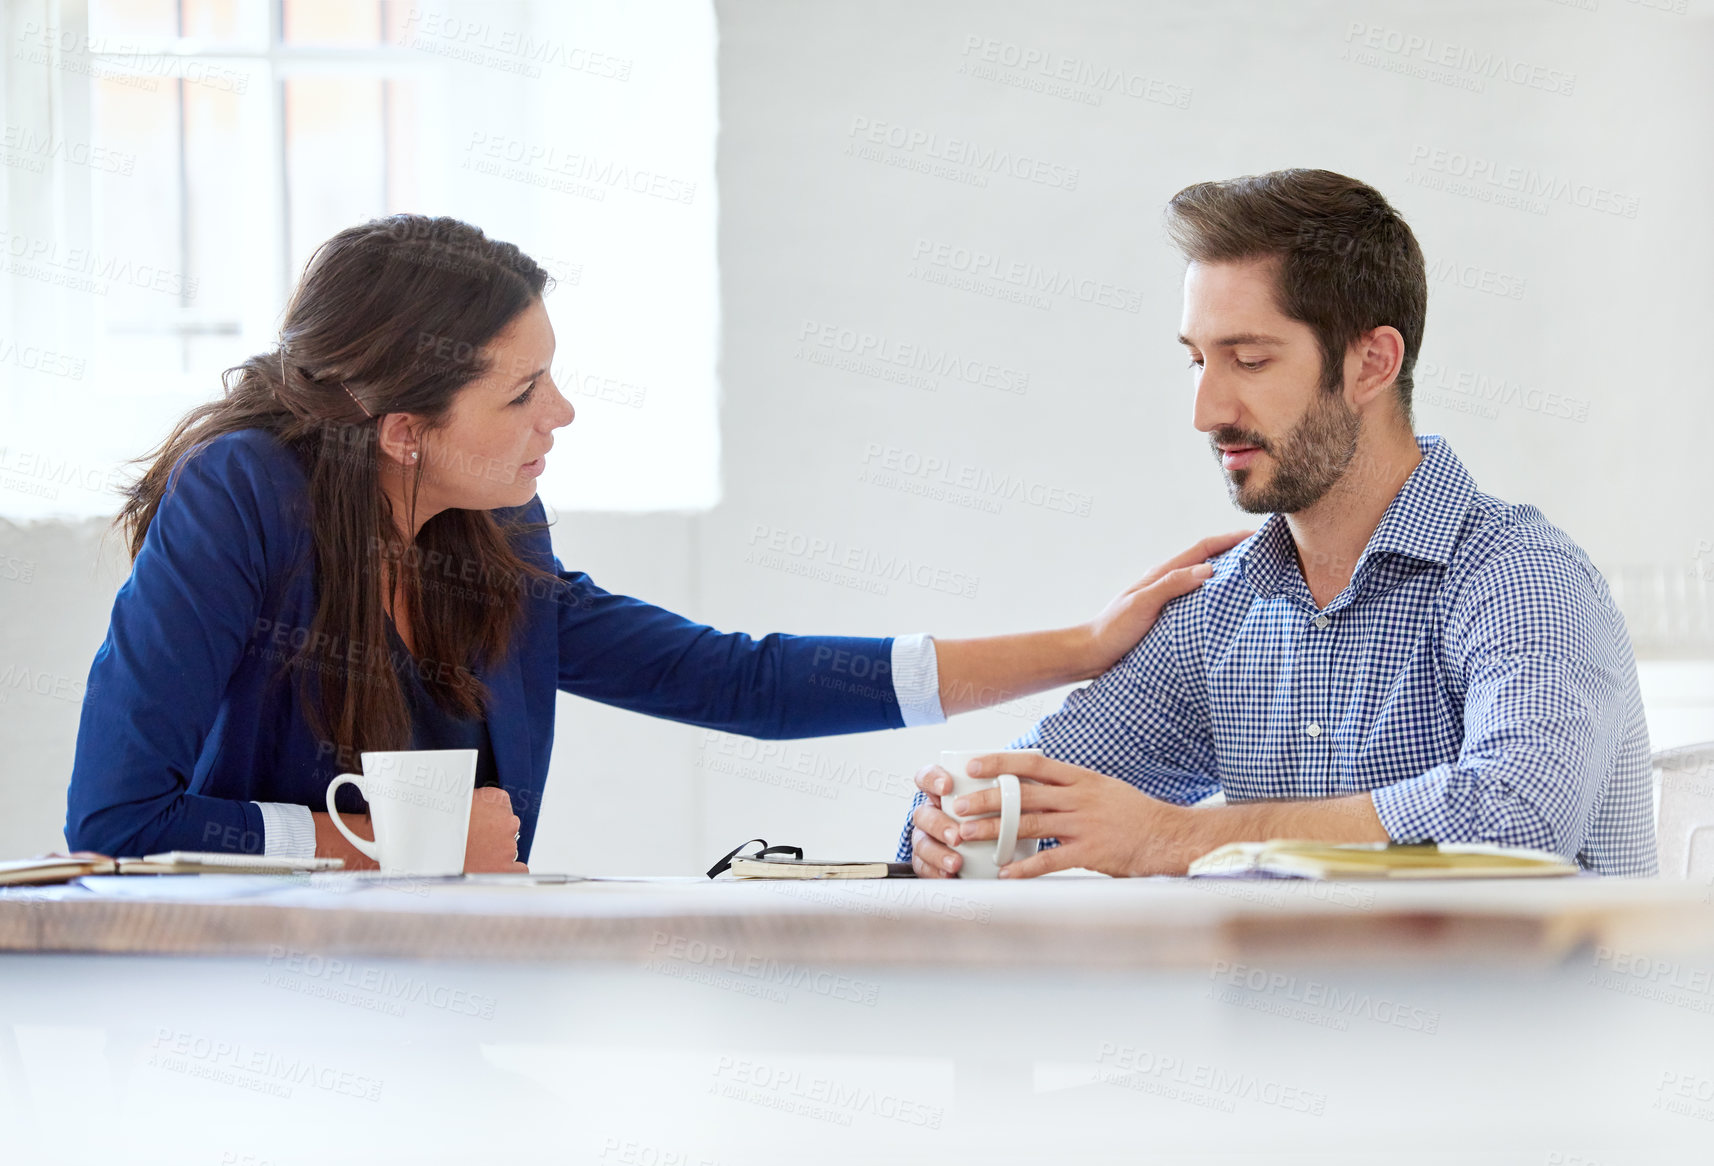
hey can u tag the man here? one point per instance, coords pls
(1392, 655)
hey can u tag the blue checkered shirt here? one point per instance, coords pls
(1475, 677)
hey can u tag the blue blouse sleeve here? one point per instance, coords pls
(628, 653)
(176, 636)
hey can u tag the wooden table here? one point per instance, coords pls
(660, 1022)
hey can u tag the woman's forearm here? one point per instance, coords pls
(992, 670)
(330, 843)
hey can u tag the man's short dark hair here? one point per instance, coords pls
(1348, 261)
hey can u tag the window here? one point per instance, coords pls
(175, 163)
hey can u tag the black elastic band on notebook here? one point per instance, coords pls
(726, 863)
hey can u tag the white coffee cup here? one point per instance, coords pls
(983, 859)
(419, 804)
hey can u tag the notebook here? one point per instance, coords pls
(1294, 858)
(800, 868)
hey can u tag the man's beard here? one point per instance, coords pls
(1308, 461)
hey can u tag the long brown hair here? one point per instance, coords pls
(351, 351)
(1349, 261)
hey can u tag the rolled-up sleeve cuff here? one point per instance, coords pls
(1415, 810)
(1442, 806)
(288, 831)
(906, 841)
(916, 680)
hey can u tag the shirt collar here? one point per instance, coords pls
(1421, 522)
(1269, 554)
(1424, 518)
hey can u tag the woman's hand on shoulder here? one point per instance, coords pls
(1123, 623)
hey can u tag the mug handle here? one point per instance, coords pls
(362, 844)
(1011, 809)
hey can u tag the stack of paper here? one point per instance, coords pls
(60, 868)
(52, 868)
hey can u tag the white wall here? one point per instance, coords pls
(1608, 311)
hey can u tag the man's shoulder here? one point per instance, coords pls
(1219, 589)
(1511, 564)
(1500, 537)
(1193, 617)
(1229, 565)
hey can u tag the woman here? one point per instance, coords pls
(346, 553)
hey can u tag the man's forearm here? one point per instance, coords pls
(995, 669)
(1197, 831)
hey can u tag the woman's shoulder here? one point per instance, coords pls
(255, 454)
(251, 448)
(246, 475)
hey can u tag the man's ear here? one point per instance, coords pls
(1377, 355)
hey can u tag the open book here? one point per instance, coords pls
(1302, 859)
(62, 868)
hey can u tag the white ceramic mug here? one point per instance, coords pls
(419, 804)
(983, 860)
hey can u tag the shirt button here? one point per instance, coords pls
(1322, 621)
(1312, 729)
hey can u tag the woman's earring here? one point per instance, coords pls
(413, 455)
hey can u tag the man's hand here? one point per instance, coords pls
(1103, 824)
(1107, 825)
(493, 841)
(1126, 620)
(933, 831)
